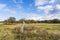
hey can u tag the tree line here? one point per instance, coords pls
(12, 20)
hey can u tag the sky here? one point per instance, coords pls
(30, 9)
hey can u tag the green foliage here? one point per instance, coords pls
(51, 21)
(26, 21)
(55, 21)
(11, 20)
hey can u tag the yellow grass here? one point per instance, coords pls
(51, 28)
(44, 26)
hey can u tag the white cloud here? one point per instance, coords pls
(2, 18)
(18, 4)
(9, 11)
(2, 6)
(46, 8)
(43, 2)
(58, 6)
(52, 1)
(5, 10)
(51, 10)
(40, 2)
(47, 15)
(43, 17)
(18, 1)
(33, 16)
(36, 17)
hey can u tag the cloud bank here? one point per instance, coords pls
(36, 9)
(51, 9)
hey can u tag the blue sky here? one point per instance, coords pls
(30, 9)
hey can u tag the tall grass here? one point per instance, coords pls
(32, 33)
(38, 31)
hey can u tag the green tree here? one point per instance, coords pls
(11, 20)
(21, 20)
(55, 21)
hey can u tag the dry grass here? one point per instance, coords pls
(50, 28)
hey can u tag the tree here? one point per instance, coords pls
(21, 20)
(5, 22)
(55, 21)
(11, 20)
